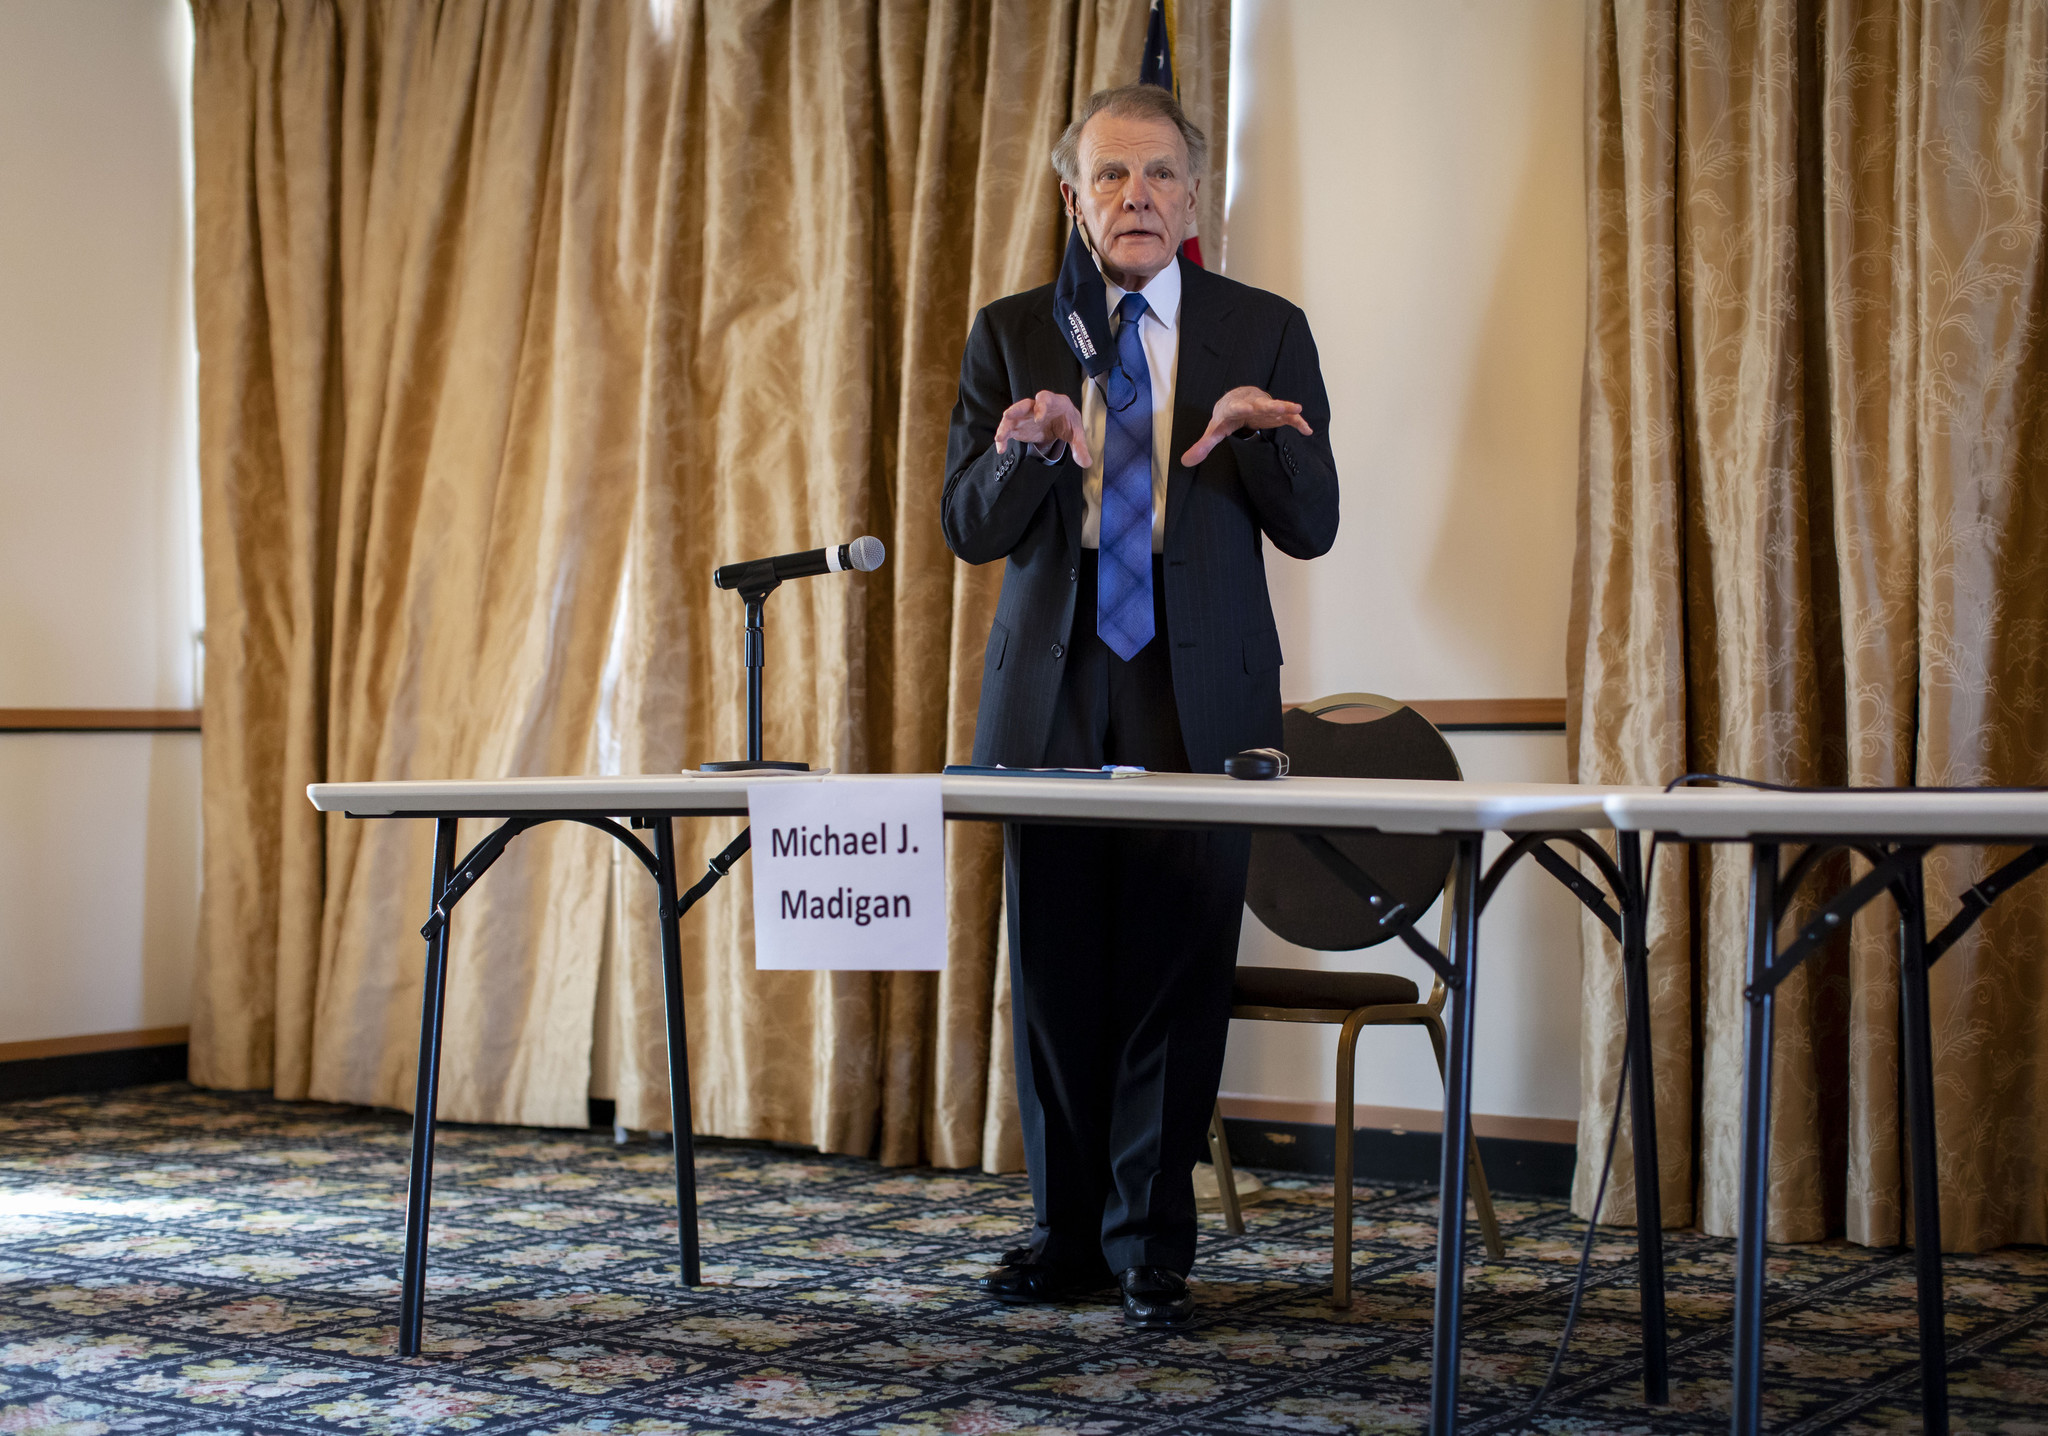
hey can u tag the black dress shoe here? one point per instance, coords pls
(1156, 1296)
(1029, 1281)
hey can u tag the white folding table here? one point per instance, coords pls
(1893, 830)
(1538, 818)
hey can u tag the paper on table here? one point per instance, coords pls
(999, 770)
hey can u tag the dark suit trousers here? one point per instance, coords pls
(1123, 942)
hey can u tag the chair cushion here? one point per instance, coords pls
(1305, 987)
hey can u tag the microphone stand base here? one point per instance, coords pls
(753, 765)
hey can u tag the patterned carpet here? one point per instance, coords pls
(181, 1261)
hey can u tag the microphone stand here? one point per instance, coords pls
(755, 594)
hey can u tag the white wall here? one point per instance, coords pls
(99, 581)
(1410, 173)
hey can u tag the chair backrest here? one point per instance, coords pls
(1351, 735)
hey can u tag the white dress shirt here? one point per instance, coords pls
(1159, 332)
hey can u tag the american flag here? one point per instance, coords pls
(1157, 69)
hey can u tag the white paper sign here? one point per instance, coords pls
(849, 876)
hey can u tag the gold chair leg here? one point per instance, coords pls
(1482, 1195)
(1226, 1175)
(1340, 1265)
(1482, 1202)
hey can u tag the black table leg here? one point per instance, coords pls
(678, 1049)
(1635, 967)
(1917, 1054)
(1450, 1243)
(1746, 1411)
(420, 1177)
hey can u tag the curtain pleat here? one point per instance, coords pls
(1812, 545)
(1625, 679)
(515, 320)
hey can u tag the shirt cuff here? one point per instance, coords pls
(1049, 454)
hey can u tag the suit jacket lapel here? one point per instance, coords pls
(1053, 366)
(1198, 377)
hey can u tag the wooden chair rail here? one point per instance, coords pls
(1480, 715)
(1494, 715)
(99, 720)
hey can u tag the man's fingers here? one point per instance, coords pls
(1045, 408)
(1013, 417)
(1288, 418)
(1211, 437)
(1063, 421)
(1267, 413)
(1045, 418)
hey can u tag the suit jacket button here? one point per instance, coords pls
(1058, 651)
(1073, 574)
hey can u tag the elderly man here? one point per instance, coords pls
(1133, 628)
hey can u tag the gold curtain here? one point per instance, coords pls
(515, 319)
(1813, 549)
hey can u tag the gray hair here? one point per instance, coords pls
(1131, 102)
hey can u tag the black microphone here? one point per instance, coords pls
(863, 555)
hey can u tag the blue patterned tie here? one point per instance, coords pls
(1123, 566)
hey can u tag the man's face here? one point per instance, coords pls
(1135, 194)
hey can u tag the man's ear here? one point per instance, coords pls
(1067, 202)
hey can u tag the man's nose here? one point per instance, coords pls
(1137, 193)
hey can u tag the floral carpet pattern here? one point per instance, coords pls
(183, 1261)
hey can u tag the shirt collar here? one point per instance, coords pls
(1162, 295)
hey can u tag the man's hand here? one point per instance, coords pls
(1044, 419)
(1242, 408)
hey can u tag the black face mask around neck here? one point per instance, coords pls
(1081, 305)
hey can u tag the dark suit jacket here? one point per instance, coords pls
(1012, 506)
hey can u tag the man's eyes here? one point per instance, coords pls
(1159, 172)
